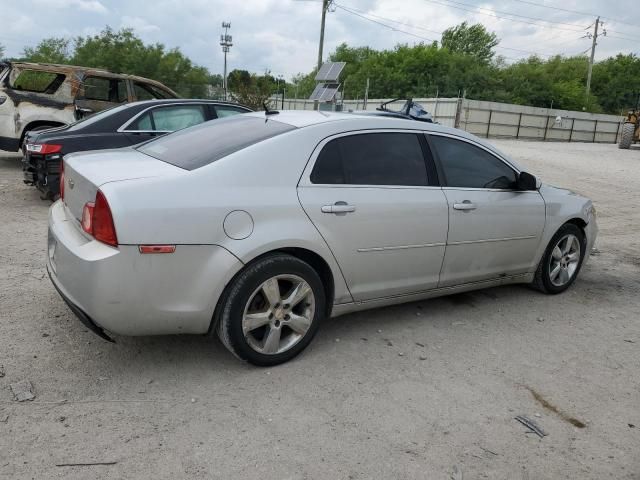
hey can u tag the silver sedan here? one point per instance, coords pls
(258, 226)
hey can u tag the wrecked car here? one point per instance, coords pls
(36, 96)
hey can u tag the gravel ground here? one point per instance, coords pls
(427, 390)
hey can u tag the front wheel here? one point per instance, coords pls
(272, 310)
(562, 260)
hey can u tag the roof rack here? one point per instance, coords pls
(410, 109)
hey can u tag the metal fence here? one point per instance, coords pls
(501, 120)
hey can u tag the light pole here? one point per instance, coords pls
(226, 42)
(281, 78)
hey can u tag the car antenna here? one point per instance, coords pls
(268, 111)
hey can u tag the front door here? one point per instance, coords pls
(370, 197)
(494, 229)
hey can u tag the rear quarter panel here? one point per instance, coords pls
(191, 208)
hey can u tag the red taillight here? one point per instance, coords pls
(62, 181)
(102, 222)
(98, 221)
(43, 148)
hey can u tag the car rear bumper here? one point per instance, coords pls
(83, 317)
(43, 171)
(121, 291)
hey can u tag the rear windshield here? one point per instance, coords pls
(203, 144)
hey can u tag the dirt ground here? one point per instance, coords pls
(426, 390)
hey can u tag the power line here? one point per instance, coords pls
(527, 2)
(348, 10)
(362, 14)
(477, 11)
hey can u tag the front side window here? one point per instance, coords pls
(467, 166)
(372, 159)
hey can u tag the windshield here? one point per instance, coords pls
(197, 146)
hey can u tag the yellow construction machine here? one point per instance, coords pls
(631, 127)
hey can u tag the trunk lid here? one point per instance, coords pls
(86, 172)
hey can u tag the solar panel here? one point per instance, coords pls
(324, 92)
(330, 72)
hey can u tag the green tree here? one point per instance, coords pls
(123, 52)
(616, 82)
(49, 50)
(250, 89)
(472, 40)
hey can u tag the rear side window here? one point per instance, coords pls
(105, 89)
(205, 143)
(372, 159)
(467, 166)
(169, 119)
(37, 81)
(227, 111)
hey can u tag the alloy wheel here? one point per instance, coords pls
(278, 314)
(564, 260)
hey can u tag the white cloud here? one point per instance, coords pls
(282, 35)
(94, 6)
(140, 25)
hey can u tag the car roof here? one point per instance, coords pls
(306, 118)
(68, 69)
(163, 101)
(364, 121)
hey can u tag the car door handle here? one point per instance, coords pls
(465, 205)
(338, 207)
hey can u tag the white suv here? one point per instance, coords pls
(36, 96)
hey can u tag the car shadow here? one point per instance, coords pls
(188, 353)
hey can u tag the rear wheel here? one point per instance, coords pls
(628, 129)
(562, 260)
(272, 310)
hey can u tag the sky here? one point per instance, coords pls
(282, 35)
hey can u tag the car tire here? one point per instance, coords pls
(562, 260)
(254, 310)
(628, 130)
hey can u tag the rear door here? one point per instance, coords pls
(374, 199)
(98, 93)
(494, 229)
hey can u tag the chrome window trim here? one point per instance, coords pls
(305, 178)
(123, 128)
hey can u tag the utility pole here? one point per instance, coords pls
(593, 52)
(325, 7)
(226, 43)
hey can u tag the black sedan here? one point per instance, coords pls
(121, 126)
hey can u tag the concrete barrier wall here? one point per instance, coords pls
(502, 120)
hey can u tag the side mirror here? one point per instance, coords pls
(526, 181)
